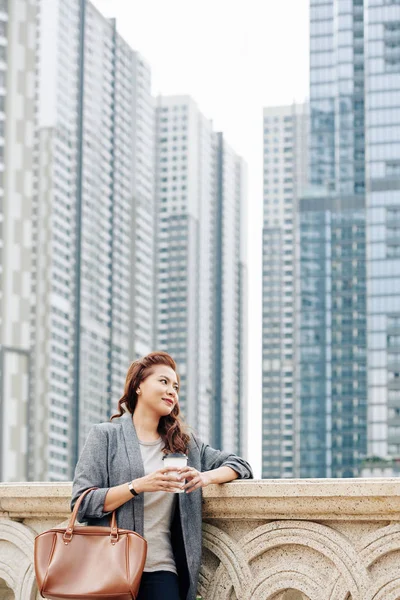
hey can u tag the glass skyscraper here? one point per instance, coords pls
(332, 337)
(382, 68)
(332, 394)
(337, 96)
(349, 241)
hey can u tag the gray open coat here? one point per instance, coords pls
(111, 456)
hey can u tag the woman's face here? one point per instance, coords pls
(159, 391)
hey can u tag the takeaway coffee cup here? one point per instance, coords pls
(175, 460)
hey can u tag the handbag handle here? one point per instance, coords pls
(67, 537)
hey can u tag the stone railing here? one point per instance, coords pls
(267, 540)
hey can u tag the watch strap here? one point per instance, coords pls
(132, 489)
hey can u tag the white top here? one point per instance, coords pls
(159, 509)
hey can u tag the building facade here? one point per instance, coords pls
(331, 386)
(201, 274)
(185, 204)
(285, 176)
(18, 27)
(355, 157)
(90, 289)
(82, 228)
(382, 101)
(347, 373)
(230, 302)
(337, 157)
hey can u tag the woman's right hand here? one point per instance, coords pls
(163, 480)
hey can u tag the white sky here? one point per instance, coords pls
(233, 57)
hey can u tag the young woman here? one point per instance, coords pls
(123, 459)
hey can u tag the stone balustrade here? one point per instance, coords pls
(265, 540)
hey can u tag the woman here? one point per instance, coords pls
(123, 459)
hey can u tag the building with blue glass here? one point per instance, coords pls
(382, 117)
(348, 351)
(331, 385)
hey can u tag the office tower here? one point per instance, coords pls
(337, 96)
(92, 248)
(285, 172)
(332, 393)
(230, 301)
(332, 359)
(17, 149)
(355, 68)
(185, 204)
(382, 101)
(201, 268)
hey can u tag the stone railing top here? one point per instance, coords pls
(322, 499)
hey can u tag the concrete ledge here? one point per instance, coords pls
(330, 539)
(21, 500)
(338, 499)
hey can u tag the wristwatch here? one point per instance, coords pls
(132, 490)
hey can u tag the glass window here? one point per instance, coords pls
(345, 54)
(345, 21)
(345, 6)
(320, 12)
(320, 44)
(321, 27)
(345, 38)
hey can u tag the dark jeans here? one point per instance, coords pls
(159, 585)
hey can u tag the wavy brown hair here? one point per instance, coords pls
(171, 427)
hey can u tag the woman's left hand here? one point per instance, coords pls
(194, 479)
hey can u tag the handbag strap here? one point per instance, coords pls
(71, 523)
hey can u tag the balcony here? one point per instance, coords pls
(266, 540)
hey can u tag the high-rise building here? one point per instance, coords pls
(90, 258)
(382, 102)
(186, 184)
(230, 302)
(285, 176)
(337, 96)
(331, 389)
(355, 155)
(201, 275)
(17, 153)
(80, 234)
